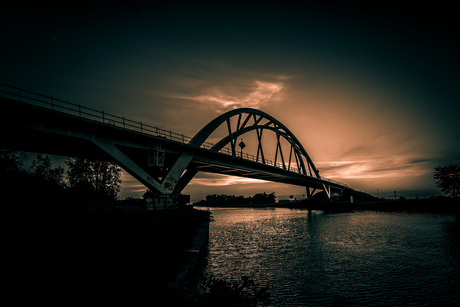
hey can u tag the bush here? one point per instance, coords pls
(217, 292)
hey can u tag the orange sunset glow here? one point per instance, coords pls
(370, 93)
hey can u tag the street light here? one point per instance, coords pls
(242, 145)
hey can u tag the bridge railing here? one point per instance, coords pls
(67, 107)
(333, 181)
(71, 108)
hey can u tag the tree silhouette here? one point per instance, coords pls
(11, 160)
(448, 179)
(93, 179)
(41, 168)
(264, 198)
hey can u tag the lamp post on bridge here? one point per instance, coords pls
(242, 145)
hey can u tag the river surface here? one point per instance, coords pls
(358, 259)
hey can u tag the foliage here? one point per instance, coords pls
(39, 184)
(96, 180)
(222, 199)
(218, 200)
(215, 292)
(11, 160)
(218, 292)
(264, 198)
(14, 178)
(448, 179)
(41, 168)
(92, 179)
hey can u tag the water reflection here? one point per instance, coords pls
(317, 259)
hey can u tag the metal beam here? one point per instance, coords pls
(230, 134)
(130, 166)
(278, 146)
(259, 146)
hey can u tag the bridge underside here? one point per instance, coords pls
(36, 129)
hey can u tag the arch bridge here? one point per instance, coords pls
(164, 161)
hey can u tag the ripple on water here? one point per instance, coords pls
(364, 258)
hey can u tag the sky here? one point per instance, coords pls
(370, 91)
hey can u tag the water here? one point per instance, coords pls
(318, 259)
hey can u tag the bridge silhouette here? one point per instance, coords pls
(162, 160)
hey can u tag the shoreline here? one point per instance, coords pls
(444, 205)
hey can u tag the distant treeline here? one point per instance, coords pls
(346, 196)
(222, 200)
(264, 198)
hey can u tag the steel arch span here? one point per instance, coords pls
(248, 120)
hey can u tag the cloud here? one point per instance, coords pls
(222, 180)
(260, 93)
(263, 93)
(374, 168)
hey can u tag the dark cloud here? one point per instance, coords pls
(421, 161)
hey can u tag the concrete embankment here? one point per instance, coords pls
(193, 254)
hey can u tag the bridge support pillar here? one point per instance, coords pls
(327, 190)
(310, 192)
(173, 182)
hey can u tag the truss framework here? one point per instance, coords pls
(255, 120)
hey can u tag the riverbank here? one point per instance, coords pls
(442, 205)
(433, 205)
(133, 254)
